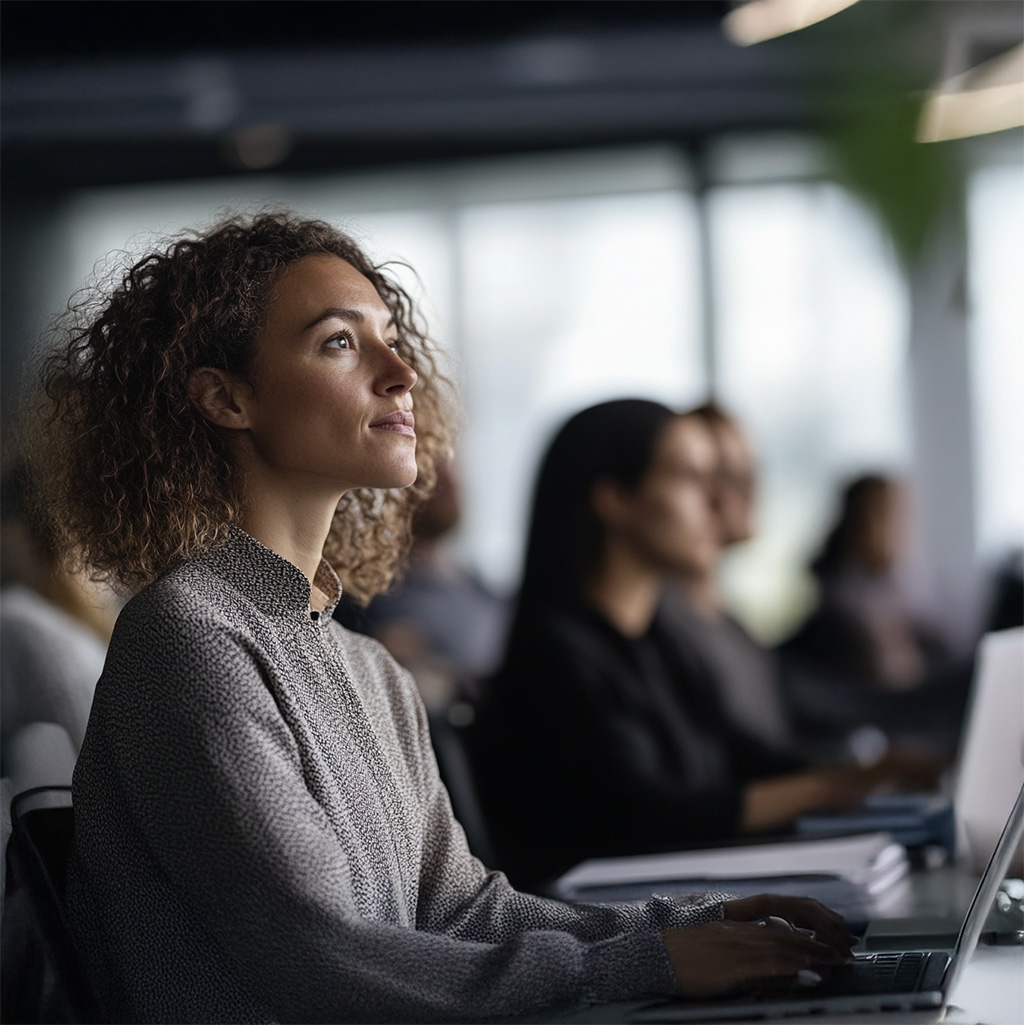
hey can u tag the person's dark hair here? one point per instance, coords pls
(131, 477)
(846, 539)
(614, 440)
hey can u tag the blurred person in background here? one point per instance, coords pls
(260, 829)
(745, 674)
(440, 620)
(54, 629)
(862, 658)
(601, 734)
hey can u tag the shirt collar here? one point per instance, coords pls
(275, 585)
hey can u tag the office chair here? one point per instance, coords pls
(42, 824)
(457, 775)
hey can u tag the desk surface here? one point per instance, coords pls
(990, 991)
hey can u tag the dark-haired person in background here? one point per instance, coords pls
(744, 673)
(600, 735)
(862, 658)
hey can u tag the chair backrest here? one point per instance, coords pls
(42, 822)
(457, 775)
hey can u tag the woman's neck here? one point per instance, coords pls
(291, 524)
(702, 592)
(625, 591)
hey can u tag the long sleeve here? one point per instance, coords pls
(460, 898)
(284, 851)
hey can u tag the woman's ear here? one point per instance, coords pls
(219, 398)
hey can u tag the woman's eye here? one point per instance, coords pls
(342, 340)
(396, 345)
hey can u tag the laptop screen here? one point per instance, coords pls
(985, 895)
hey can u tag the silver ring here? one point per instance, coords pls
(774, 920)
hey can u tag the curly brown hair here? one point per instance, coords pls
(131, 477)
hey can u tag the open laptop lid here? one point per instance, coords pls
(990, 765)
(931, 995)
(985, 895)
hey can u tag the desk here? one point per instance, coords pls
(992, 988)
(990, 991)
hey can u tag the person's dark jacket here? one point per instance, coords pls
(592, 744)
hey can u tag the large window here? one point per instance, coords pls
(812, 320)
(996, 294)
(566, 303)
(560, 281)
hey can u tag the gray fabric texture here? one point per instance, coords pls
(261, 833)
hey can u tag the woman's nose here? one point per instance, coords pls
(395, 376)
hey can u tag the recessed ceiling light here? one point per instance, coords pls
(988, 98)
(758, 20)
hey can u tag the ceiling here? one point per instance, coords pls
(105, 92)
(105, 29)
(108, 92)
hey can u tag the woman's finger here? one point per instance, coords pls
(826, 953)
(803, 912)
(782, 940)
(827, 925)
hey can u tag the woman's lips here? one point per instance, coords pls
(399, 422)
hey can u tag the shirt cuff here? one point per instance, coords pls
(628, 966)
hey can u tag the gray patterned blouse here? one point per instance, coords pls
(261, 834)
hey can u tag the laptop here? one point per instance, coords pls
(913, 980)
(984, 783)
(991, 757)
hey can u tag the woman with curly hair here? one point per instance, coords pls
(260, 830)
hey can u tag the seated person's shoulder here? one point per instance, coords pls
(185, 648)
(185, 595)
(169, 599)
(556, 653)
(554, 631)
(189, 616)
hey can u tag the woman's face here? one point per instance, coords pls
(733, 494)
(882, 538)
(333, 404)
(668, 519)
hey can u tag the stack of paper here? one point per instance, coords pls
(871, 861)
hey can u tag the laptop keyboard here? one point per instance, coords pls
(885, 973)
(898, 973)
(868, 976)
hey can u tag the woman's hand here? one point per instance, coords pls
(778, 800)
(827, 926)
(720, 958)
(904, 770)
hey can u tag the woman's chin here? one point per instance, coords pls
(399, 477)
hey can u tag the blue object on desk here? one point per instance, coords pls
(917, 821)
